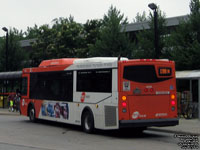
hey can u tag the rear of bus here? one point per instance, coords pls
(147, 93)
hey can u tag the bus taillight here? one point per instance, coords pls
(173, 99)
(172, 96)
(146, 90)
(173, 103)
(124, 104)
(124, 98)
(151, 89)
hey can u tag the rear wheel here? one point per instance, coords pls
(88, 122)
(32, 114)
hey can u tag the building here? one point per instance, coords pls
(171, 23)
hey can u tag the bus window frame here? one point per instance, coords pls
(28, 85)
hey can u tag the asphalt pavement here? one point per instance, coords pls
(186, 126)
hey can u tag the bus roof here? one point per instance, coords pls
(98, 60)
(57, 62)
(86, 63)
(70, 61)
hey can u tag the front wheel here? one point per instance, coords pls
(32, 114)
(88, 122)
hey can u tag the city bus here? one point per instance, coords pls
(101, 92)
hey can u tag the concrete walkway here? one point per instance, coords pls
(186, 126)
(7, 112)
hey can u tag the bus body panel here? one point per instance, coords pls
(147, 101)
(143, 108)
(102, 105)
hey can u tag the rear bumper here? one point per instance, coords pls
(148, 123)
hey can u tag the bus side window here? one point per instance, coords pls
(24, 86)
(99, 80)
(52, 86)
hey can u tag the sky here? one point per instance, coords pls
(26, 13)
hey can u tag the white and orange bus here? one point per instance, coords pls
(101, 92)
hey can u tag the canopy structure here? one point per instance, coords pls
(190, 75)
(10, 75)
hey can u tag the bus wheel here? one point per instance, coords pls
(88, 122)
(32, 114)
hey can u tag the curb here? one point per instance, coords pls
(173, 131)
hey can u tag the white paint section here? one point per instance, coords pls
(95, 63)
(98, 60)
(91, 97)
(115, 80)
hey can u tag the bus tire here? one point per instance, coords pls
(88, 122)
(31, 113)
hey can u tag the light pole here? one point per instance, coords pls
(154, 7)
(6, 52)
(6, 59)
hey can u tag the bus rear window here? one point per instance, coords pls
(142, 74)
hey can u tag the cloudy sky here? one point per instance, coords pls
(23, 13)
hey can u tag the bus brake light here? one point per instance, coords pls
(173, 102)
(124, 104)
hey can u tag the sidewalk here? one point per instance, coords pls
(186, 126)
(5, 111)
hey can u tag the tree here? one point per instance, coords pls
(32, 32)
(195, 18)
(42, 48)
(17, 58)
(112, 40)
(70, 39)
(140, 17)
(91, 35)
(144, 44)
(185, 40)
(64, 39)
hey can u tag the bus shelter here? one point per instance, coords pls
(188, 93)
(9, 82)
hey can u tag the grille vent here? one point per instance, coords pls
(110, 116)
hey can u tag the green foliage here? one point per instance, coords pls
(65, 39)
(32, 33)
(144, 48)
(112, 41)
(140, 17)
(61, 40)
(91, 34)
(185, 41)
(17, 58)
